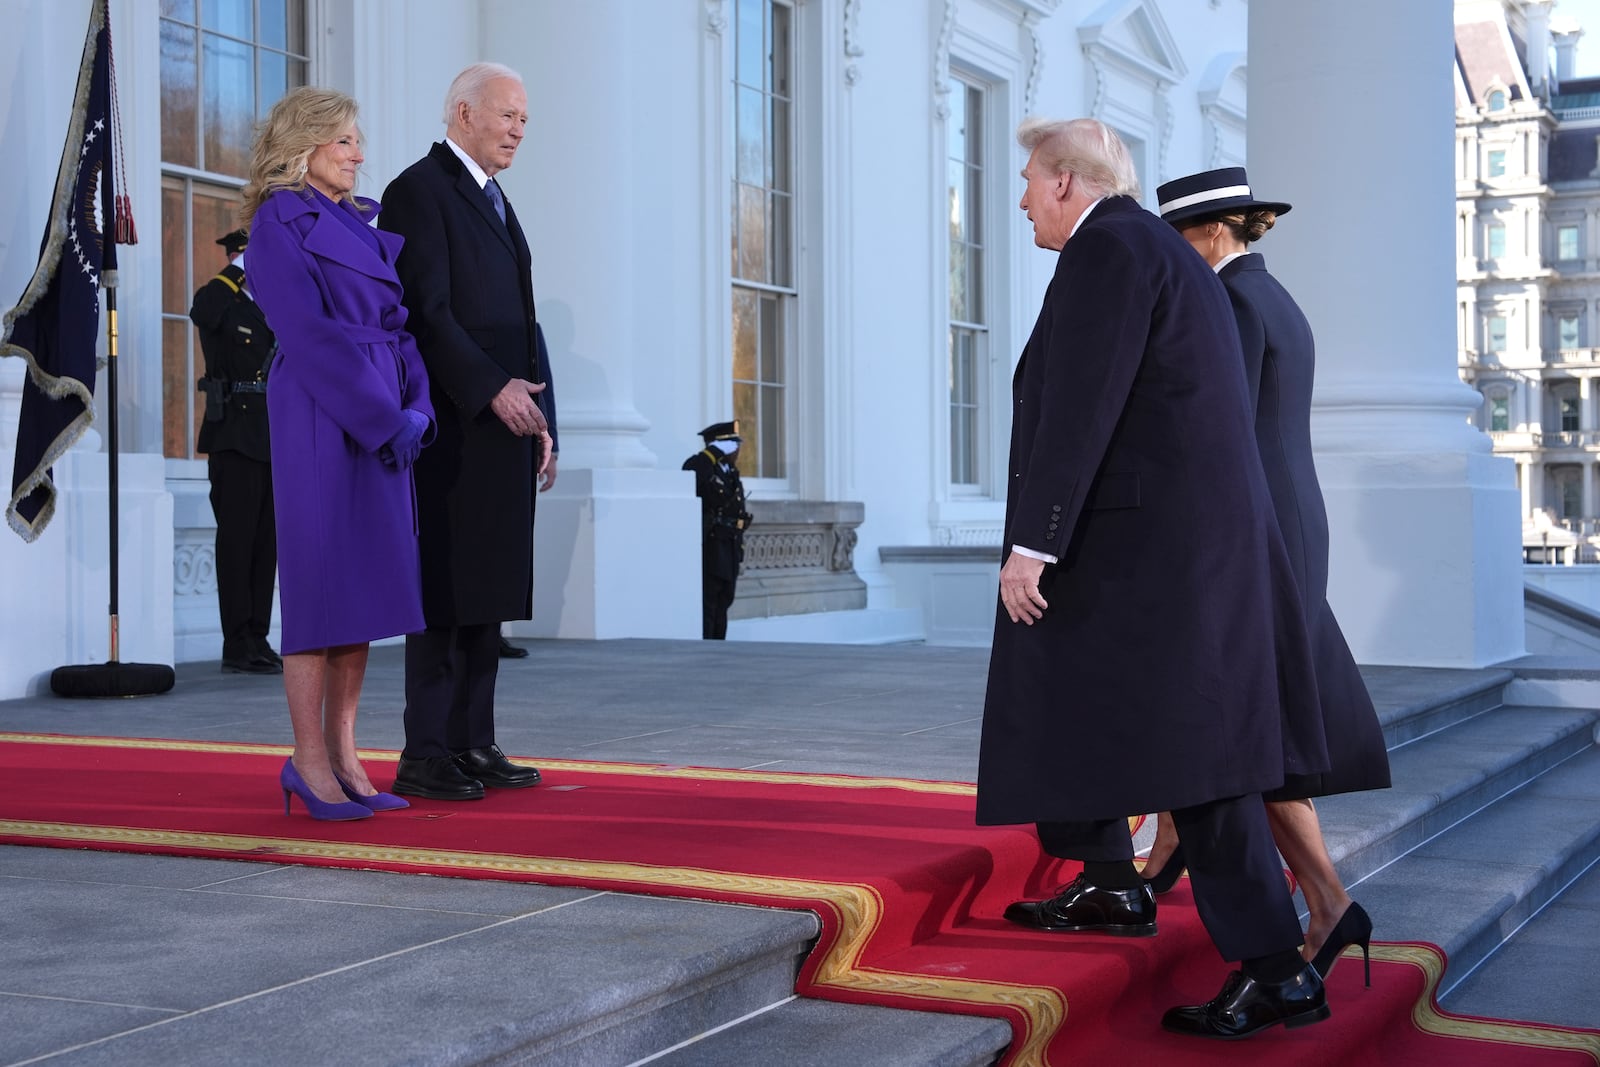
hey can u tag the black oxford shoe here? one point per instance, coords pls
(249, 665)
(436, 778)
(1245, 1007)
(510, 651)
(1085, 908)
(490, 766)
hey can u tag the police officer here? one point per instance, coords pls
(238, 349)
(723, 520)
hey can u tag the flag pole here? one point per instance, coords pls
(112, 678)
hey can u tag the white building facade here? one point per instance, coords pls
(1528, 261)
(799, 213)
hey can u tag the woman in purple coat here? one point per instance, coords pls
(347, 396)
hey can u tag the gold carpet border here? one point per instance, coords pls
(858, 908)
(1426, 1016)
(645, 770)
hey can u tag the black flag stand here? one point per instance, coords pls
(112, 678)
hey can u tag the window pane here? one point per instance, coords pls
(782, 265)
(745, 313)
(174, 246)
(752, 227)
(283, 25)
(749, 61)
(1568, 331)
(771, 432)
(778, 81)
(974, 205)
(179, 129)
(973, 99)
(215, 213)
(274, 71)
(744, 409)
(230, 105)
(1497, 240)
(1499, 414)
(178, 9)
(178, 425)
(750, 147)
(231, 17)
(956, 184)
(771, 340)
(958, 283)
(782, 165)
(1567, 242)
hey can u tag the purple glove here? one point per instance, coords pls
(402, 449)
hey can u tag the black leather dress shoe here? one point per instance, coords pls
(266, 652)
(1245, 1007)
(249, 665)
(490, 766)
(1085, 908)
(510, 651)
(436, 778)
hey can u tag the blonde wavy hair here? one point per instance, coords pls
(302, 121)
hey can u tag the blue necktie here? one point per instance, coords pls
(499, 202)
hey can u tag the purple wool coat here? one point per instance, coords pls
(345, 372)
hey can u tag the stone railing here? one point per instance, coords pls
(799, 558)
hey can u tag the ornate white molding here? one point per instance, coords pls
(941, 62)
(716, 16)
(1222, 109)
(852, 41)
(1134, 63)
(1030, 92)
(194, 565)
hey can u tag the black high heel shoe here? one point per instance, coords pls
(1353, 928)
(1167, 877)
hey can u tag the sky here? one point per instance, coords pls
(1587, 12)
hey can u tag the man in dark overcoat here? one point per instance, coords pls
(238, 346)
(468, 283)
(1149, 637)
(723, 521)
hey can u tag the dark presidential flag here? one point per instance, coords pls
(56, 324)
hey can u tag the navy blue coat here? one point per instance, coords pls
(1280, 363)
(469, 288)
(1171, 667)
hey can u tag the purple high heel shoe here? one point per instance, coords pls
(289, 778)
(379, 801)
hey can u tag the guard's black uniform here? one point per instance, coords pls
(723, 520)
(238, 349)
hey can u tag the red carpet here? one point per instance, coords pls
(909, 890)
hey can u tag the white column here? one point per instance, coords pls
(1425, 567)
(617, 541)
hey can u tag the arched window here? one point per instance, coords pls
(1497, 100)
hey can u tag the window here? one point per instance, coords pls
(1569, 414)
(1495, 327)
(1497, 240)
(764, 295)
(1570, 491)
(1497, 162)
(1499, 412)
(1497, 100)
(968, 335)
(224, 63)
(1567, 331)
(1566, 243)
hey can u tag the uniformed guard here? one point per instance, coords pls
(238, 349)
(723, 521)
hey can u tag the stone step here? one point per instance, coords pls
(1430, 708)
(818, 1033)
(1445, 777)
(1546, 972)
(1471, 886)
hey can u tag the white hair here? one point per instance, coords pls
(469, 86)
(1086, 148)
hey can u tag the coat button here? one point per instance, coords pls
(1050, 536)
(1056, 508)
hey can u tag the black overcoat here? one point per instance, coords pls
(1171, 667)
(469, 291)
(1280, 364)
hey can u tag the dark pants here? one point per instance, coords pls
(246, 550)
(1238, 882)
(716, 596)
(450, 677)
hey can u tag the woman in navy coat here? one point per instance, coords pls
(347, 396)
(1219, 217)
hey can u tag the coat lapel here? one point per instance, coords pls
(331, 239)
(473, 194)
